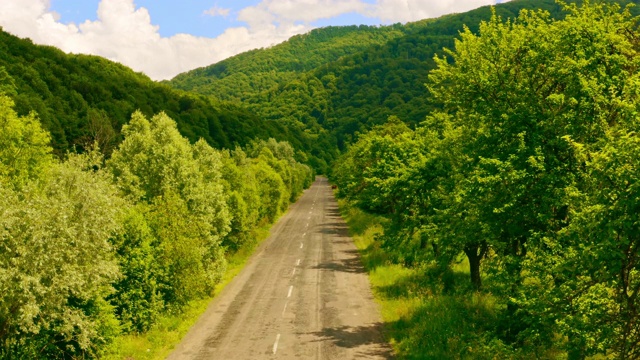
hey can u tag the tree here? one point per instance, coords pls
(56, 262)
(523, 93)
(7, 83)
(137, 298)
(272, 189)
(187, 214)
(367, 173)
(25, 153)
(586, 285)
(243, 200)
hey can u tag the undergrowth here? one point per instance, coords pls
(158, 342)
(421, 321)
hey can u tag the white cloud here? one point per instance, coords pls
(291, 11)
(126, 34)
(217, 11)
(413, 10)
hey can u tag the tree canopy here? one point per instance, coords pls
(91, 248)
(525, 166)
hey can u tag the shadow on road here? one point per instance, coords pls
(350, 264)
(353, 337)
(335, 228)
(332, 211)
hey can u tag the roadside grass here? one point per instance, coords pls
(158, 342)
(421, 322)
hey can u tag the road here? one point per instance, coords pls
(303, 295)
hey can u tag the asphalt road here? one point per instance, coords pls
(303, 295)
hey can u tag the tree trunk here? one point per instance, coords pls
(575, 351)
(475, 253)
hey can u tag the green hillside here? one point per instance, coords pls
(243, 76)
(351, 93)
(81, 98)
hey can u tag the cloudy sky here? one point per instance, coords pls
(163, 38)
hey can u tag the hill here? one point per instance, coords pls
(80, 99)
(352, 93)
(245, 75)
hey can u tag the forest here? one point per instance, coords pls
(80, 99)
(335, 97)
(487, 163)
(94, 247)
(526, 176)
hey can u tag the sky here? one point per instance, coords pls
(163, 38)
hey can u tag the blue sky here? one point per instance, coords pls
(163, 38)
(187, 16)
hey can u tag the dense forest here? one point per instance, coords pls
(245, 75)
(527, 172)
(80, 99)
(94, 248)
(351, 93)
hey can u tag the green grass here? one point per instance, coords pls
(420, 321)
(158, 342)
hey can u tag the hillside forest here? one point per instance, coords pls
(487, 163)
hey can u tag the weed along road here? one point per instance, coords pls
(303, 295)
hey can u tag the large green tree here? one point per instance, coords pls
(527, 94)
(25, 152)
(56, 262)
(519, 90)
(181, 185)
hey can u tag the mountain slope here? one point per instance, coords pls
(244, 75)
(81, 99)
(354, 92)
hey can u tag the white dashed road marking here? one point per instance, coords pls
(275, 345)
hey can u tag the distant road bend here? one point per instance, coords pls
(303, 295)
